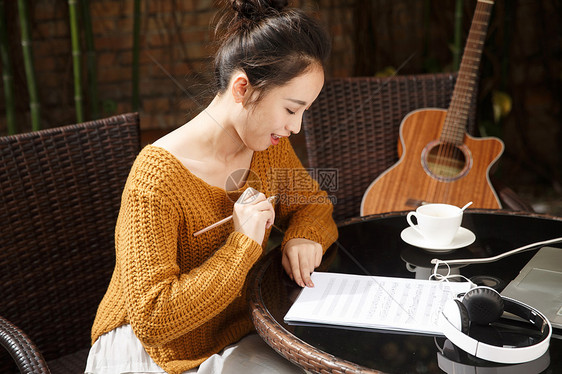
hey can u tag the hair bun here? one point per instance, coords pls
(257, 9)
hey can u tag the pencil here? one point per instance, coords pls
(224, 220)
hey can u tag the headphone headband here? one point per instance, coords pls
(508, 355)
(450, 360)
(529, 314)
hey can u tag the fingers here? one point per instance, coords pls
(287, 266)
(305, 276)
(252, 215)
(264, 206)
(270, 200)
(292, 266)
(299, 267)
(300, 261)
(318, 257)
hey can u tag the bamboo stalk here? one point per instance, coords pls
(136, 46)
(457, 35)
(90, 59)
(75, 38)
(7, 75)
(34, 105)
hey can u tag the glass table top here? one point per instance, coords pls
(372, 246)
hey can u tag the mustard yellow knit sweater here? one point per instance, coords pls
(185, 296)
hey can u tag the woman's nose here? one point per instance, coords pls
(295, 126)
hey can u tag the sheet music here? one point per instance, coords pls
(400, 304)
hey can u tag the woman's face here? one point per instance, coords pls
(279, 113)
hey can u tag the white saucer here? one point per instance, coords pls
(463, 238)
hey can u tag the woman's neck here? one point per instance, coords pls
(217, 130)
(209, 137)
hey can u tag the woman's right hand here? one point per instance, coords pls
(253, 216)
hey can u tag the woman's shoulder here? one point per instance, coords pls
(156, 160)
(156, 169)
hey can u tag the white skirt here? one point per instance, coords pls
(121, 352)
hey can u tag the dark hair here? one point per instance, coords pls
(271, 44)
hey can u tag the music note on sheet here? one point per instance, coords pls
(400, 304)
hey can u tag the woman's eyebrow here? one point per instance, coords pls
(300, 102)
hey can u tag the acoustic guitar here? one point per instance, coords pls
(439, 162)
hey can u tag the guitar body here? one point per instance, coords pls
(434, 171)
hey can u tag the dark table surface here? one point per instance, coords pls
(372, 245)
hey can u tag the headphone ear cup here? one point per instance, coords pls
(483, 304)
(455, 312)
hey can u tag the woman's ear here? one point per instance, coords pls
(240, 87)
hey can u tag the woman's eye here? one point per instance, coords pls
(290, 111)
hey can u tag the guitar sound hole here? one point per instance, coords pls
(445, 161)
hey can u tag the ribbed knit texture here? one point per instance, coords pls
(185, 296)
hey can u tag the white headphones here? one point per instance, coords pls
(482, 306)
(453, 360)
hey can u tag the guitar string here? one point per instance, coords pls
(448, 151)
(454, 118)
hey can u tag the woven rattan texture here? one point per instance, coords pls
(60, 193)
(353, 126)
(23, 350)
(276, 336)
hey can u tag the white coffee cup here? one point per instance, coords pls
(437, 223)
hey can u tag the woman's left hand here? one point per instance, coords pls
(300, 258)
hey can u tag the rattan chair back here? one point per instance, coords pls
(352, 129)
(60, 193)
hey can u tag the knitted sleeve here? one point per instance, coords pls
(304, 210)
(163, 304)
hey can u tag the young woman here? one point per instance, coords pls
(176, 299)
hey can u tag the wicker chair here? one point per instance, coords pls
(353, 125)
(60, 192)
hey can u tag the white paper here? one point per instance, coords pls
(400, 304)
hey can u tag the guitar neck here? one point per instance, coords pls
(454, 126)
